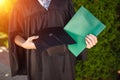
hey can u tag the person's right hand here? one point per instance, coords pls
(28, 44)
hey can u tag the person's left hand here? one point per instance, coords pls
(91, 41)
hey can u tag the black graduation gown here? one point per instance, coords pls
(55, 63)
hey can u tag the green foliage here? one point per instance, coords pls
(103, 59)
(3, 39)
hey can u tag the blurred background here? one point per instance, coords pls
(103, 60)
(5, 8)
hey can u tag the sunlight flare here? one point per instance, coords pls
(2, 2)
(6, 5)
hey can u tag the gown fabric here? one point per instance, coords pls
(28, 17)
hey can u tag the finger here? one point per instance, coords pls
(88, 42)
(32, 38)
(88, 46)
(94, 38)
(91, 38)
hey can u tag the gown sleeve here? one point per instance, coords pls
(16, 53)
(83, 54)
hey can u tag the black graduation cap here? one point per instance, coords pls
(50, 37)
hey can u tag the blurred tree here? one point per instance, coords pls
(103, 59)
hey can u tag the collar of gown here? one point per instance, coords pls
(45, 3)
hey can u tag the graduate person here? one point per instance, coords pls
(54, 63)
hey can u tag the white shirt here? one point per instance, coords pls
(45, 3)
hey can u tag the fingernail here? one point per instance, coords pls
(37, 36)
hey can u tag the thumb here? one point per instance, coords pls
(32, 38)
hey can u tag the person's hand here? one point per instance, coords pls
(91, 41)
(28, 44)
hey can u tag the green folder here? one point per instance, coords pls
(82, 24)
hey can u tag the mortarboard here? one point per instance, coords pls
(50, 37)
